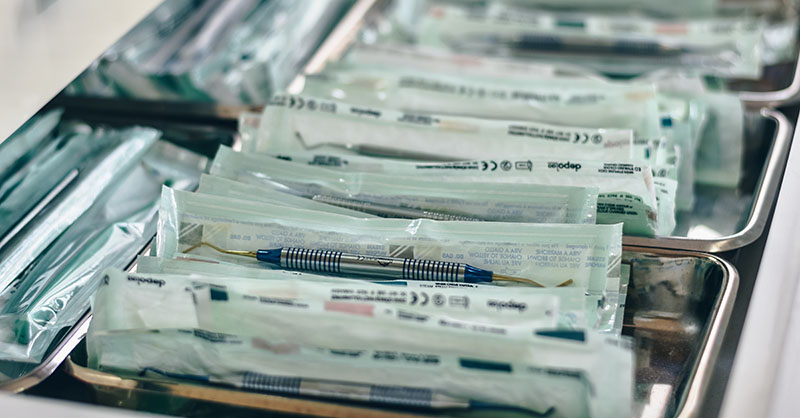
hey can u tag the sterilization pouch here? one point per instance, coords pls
(53, 166)
(548, 253)
(575, 309)
(22, 145)
(124, 299)
(626, 190)
(304, 123)
(411, 379)
(221, 186)
(53, 291)
(348, 327)
(126, 149)
(396, 57)
(603, 363)
(688, 8)
(393, 196)
(720, 154)
(616, 44)
(567, 101)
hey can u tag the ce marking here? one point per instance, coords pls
(485, 165)
(296, 101)
(578, 137)
(415, 298)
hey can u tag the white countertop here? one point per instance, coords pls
(14, 406)
(45, 44)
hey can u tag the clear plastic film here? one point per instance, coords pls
(551, 254)
(413, 197)
(228, 52)
(687, 8)
(32, 164)
(386, 57)
(125, 304)
(278, 195)
(626, 190)
(614, 44)
(575, 310)
(602, 363)
(780, 41)
(309, 124)
(429, 380)
(20, 147)
(113, 156)
(715, 124)
(720, 154)
(53, 290)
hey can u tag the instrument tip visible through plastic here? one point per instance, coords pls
(222, 250)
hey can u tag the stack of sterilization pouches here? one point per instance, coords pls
(74, 200)
(233, 52)
(419, 147)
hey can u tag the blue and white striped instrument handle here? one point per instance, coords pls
(336, 262)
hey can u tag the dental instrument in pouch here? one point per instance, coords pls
(381, 151)
(336, 262)
(386, 211)
(377, 209)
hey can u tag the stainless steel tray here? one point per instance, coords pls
(334, 45)
(767, 138)
(677, 310)
(745, 209)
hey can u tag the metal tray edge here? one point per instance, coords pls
(51, 362)
(776, 98)
(716, 333)
(765, 196)
(701, 378)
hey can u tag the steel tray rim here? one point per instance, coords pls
(786, 96)
(52, 361)
(764, 200)
(692, 400)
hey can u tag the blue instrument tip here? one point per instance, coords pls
(476, 275)
(272, 256)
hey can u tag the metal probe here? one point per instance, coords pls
(336, 262)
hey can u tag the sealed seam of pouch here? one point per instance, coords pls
(554, 253)
(483, 201)
(306, 123)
